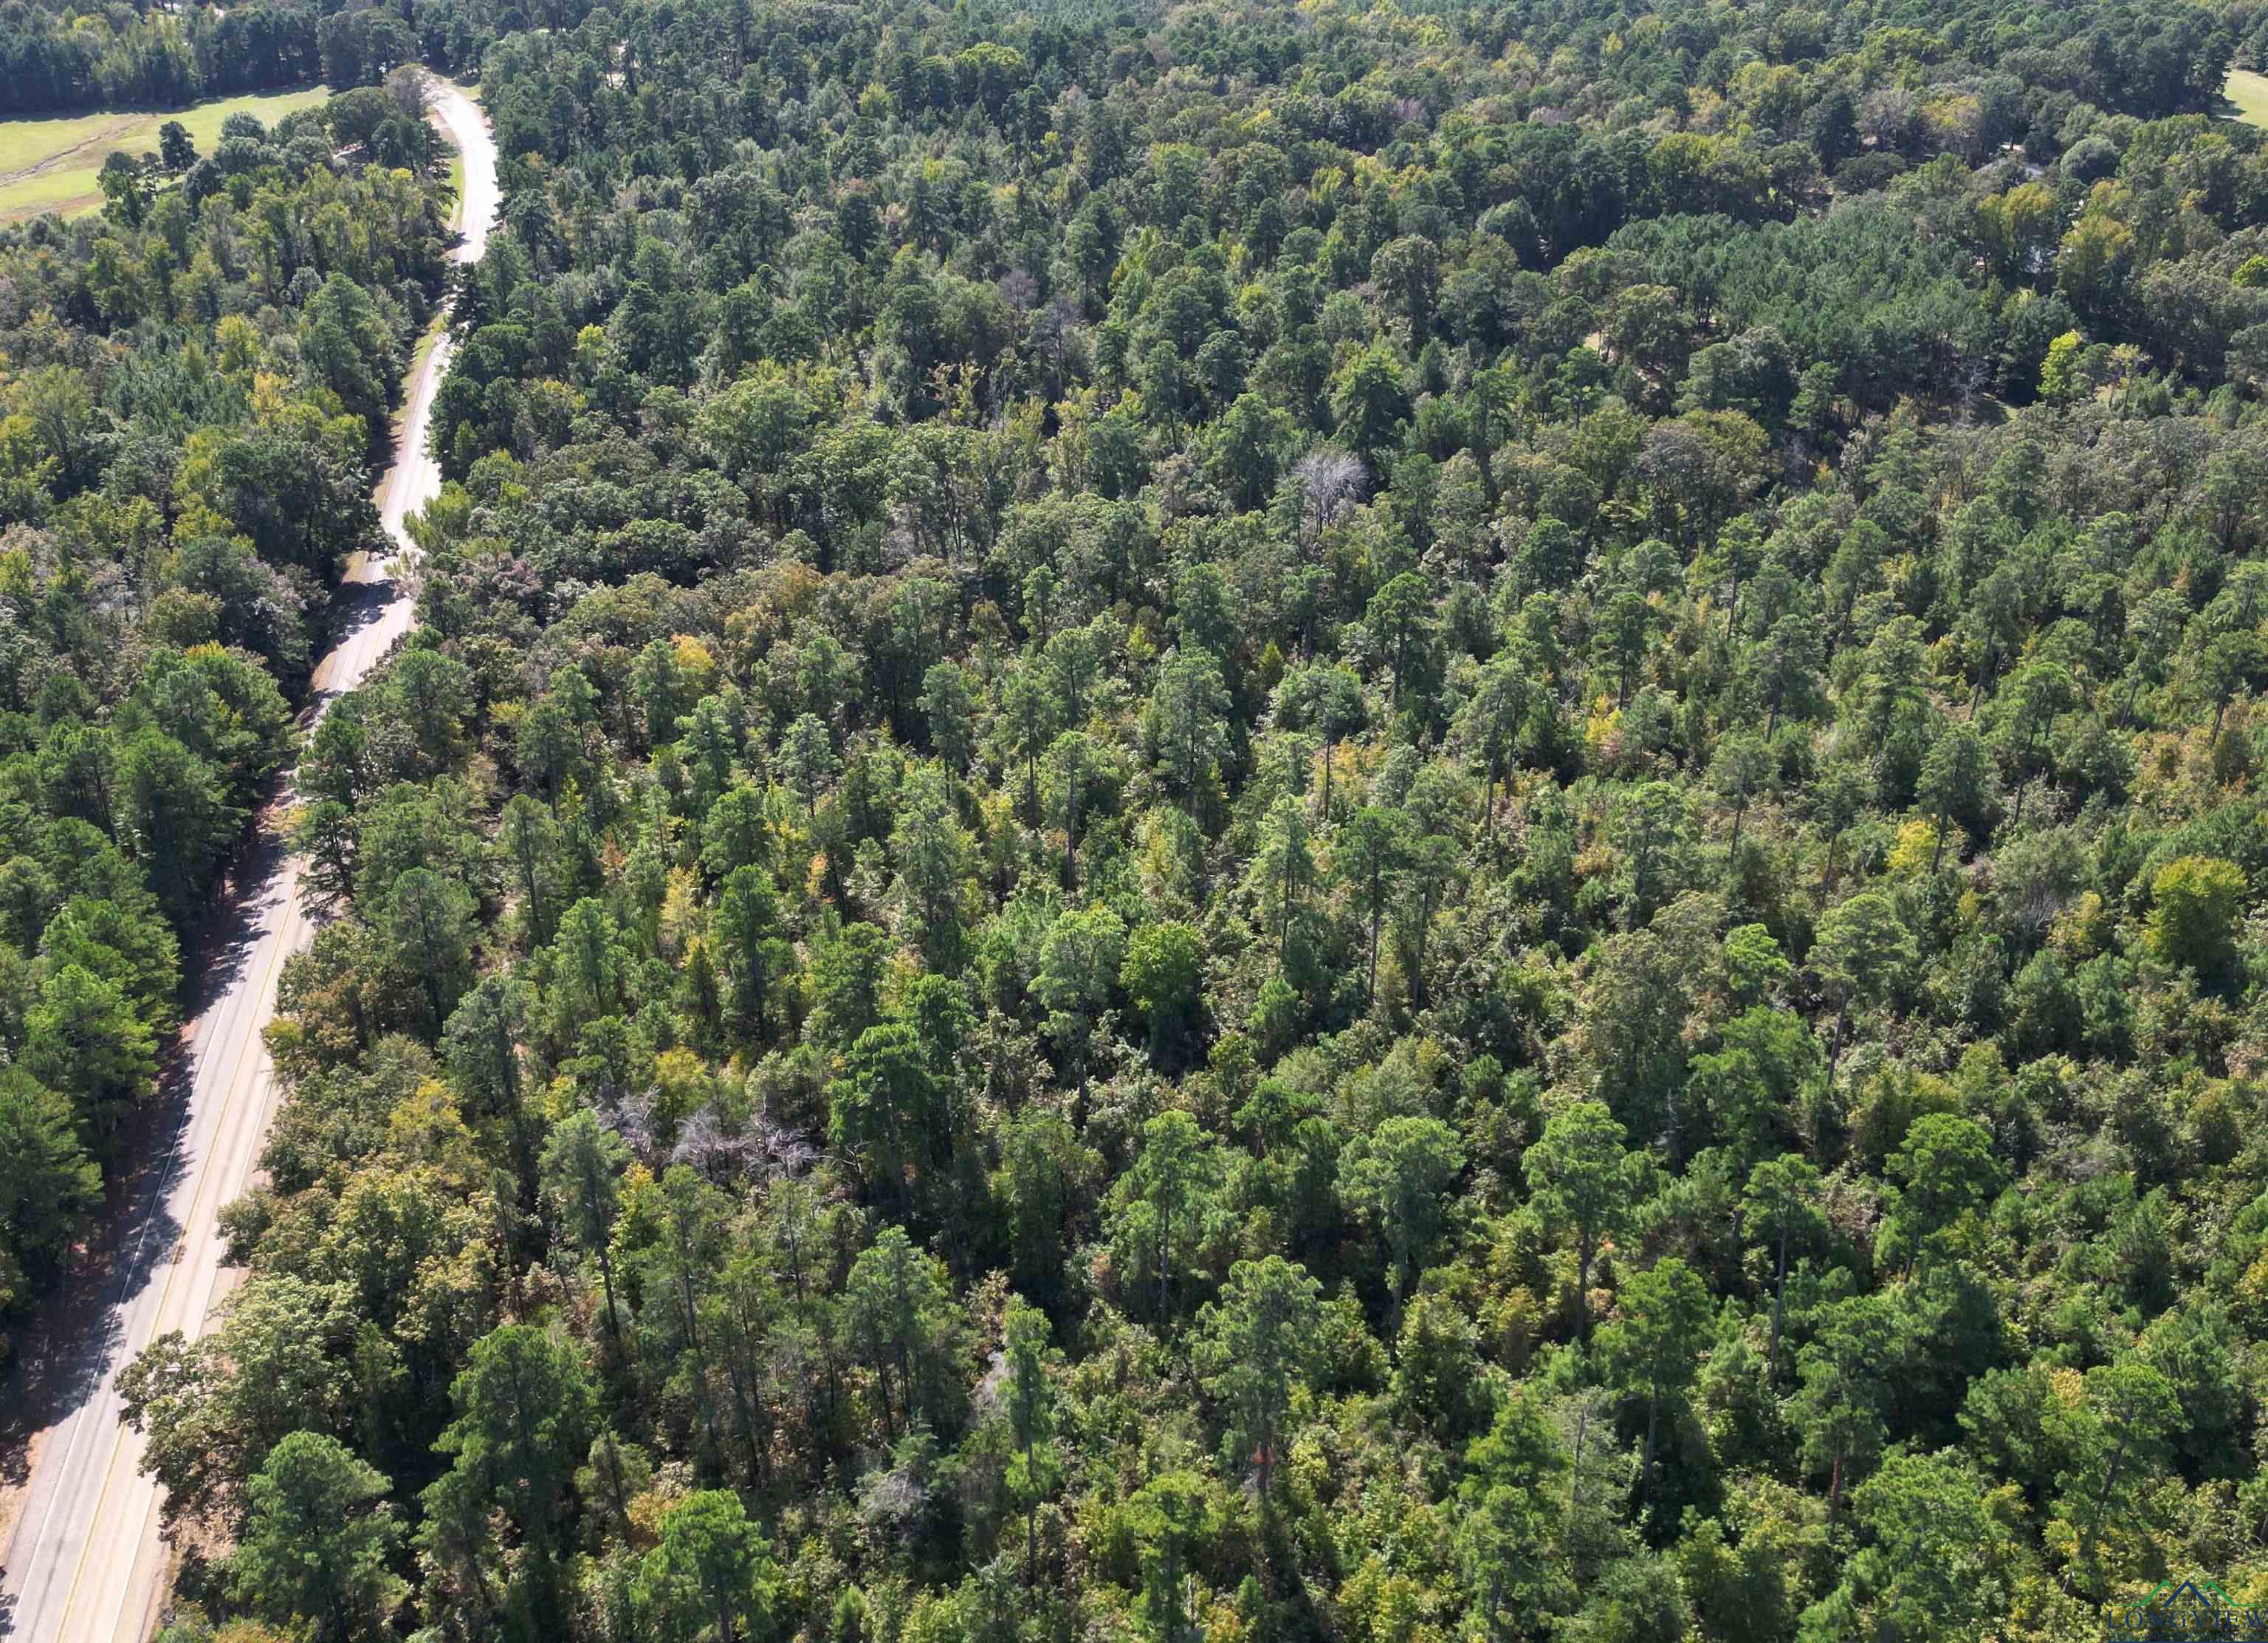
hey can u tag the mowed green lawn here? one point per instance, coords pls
(52, 164)
(2248, 92)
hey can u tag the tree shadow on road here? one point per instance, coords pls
(75, 1336)
(354, 606)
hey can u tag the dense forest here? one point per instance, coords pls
(193, 385)
(63, 55)
(1252, 822)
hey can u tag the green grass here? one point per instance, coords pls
(52, 164)
(2248, 92)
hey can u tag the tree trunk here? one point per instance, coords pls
(1977, 690)
(607, 1279)
(1283, 918)
(1575, 1470)
(1646, 1469)
(743, 1407)
(2094, 1517)
(1070, 836)
(1165, 1241)
(883, 1385)
(1779, 1303)
(614, 1485)
(1370, 989)
(1031, 1527)
(1417, 959)
(692, 1343)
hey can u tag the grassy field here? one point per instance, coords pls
(2249, 93)
(51, 164)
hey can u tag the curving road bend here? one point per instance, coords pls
(85, 1564)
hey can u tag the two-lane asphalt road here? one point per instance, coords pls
(85, 1564)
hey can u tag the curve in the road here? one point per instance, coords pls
(85, 1564)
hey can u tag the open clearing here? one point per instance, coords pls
(51, 164)
(2248, 93)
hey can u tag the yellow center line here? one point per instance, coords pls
(189, 1222)
(253, 1043)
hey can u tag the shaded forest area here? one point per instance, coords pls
(193, 386)
(64, 55)
(1257, 822)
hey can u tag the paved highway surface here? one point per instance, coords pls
(85, 1564)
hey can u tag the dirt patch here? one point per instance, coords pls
(109, 134)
